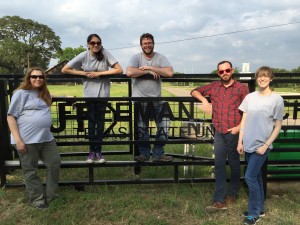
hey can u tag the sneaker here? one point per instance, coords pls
(250, 220)
(140, 158)
(163, 158)
(246, 214)
(41, 206)
(216, 206)
(91, 157)
(100, 158)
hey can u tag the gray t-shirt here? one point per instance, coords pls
(262, 111)
(147, 87)
(96, 87)
(32, 115)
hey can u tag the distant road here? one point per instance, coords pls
(178, 91)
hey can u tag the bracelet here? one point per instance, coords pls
(267, 145)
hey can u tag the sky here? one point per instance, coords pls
(194, 34)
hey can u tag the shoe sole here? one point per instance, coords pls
(212, 209)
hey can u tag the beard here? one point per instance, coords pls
(227, 78)
(149, 52)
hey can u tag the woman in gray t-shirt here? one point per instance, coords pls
(29, 120)
(260, 125)
(93, 65)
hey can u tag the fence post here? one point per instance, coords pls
(5, 152)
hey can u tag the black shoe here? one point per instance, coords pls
(246, 214)
(250, 220)
(42, 206)
(140, 158)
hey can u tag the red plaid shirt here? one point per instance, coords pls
(225, 103)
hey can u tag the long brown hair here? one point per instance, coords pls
(43, 91)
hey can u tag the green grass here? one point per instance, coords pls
(173, 204)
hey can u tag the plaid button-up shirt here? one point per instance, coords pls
(225, 103)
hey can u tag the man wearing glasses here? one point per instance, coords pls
(226, 96)
(147, 68)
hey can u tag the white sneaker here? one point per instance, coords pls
(91, 157)
(100, 158)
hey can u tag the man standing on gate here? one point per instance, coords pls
(226, 96)
(156, 66)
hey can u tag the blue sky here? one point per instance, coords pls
(195, 34)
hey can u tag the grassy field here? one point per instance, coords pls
(159, 204)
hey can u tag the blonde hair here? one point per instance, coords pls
(43, 91)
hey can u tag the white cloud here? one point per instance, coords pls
(209, 31)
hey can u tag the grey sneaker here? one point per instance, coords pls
(91, 157)
(100, 158)
(163, 158)
(140, 158)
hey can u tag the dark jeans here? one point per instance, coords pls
(225, 147)
(96, 121)
(147, 112)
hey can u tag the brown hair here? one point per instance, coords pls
(146, 35)
(222, 62)
(43, 91)
(265, 70)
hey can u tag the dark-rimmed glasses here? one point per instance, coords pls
(222, 71)
(37, 76)
(93, 43)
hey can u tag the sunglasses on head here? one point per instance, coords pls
(223, 71)
(93, 43)
(37, 76)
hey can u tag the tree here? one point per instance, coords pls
(69, 53)
(25, 43)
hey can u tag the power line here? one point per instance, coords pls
(212, 35)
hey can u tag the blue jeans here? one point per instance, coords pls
(96, 121)
(253, 178)
(225, 147)
(151, 111)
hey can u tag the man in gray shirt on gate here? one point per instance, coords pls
(156, 66)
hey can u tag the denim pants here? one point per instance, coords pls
(151, 111)
(225, 147)
(253, 178)
(47, 152)
(96, 121)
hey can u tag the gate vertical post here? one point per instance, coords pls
(5, 152)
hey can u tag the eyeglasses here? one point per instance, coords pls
(95, 43)
(37, 76)
(147, 43)
(222, 71)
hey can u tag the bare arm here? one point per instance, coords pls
(277, 127)
(13, 126)
(69, 70)
(206, 107)
(116, 69)
(240, 146)
(157, 72)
